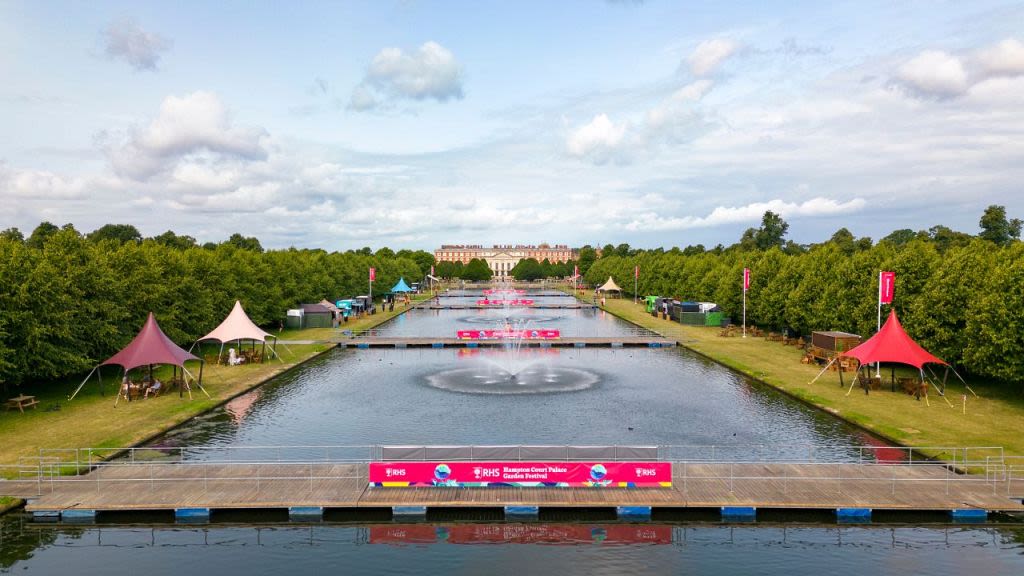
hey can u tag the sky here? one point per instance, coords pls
(412, 124)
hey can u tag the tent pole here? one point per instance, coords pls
(945, 376)
(962, 380)
(822, 371)
(840, 370)
(263, 352)
(892, 377)
(219, 354)
(75, 393)
(99, 378)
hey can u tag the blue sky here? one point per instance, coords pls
(656, 123)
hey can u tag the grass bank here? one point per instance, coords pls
(996, 418)
(91, 420)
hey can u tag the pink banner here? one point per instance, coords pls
(746, 279)
(499, 334)
(887, 287)
(504, 291)
(521, 533)
(373, 274)
(516, 302)
(554, 474)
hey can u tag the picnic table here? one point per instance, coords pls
(21, 402)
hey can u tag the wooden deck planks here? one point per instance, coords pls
(280, 485)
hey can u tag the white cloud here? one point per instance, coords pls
(708, 55)
(40, 185)
(1003, 59)
(196, 123)
(679, 103)
(820, 206)
(934, 73)
(599, 140)
(125, 40)
(429, 72)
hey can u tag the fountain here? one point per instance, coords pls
(513, 370)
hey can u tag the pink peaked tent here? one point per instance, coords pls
(150, 346)
(238, 326)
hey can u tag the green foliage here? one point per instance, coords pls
(244, 242)
(587, 258)
(528, 269)
(119, 233)
(996, 228)
(68, 302)
(476, 270)
(962, 301)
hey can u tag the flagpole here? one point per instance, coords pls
(636, 281)
(878, 365)
(745, 276)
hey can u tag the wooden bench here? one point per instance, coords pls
(21, 402)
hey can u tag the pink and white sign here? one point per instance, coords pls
(886, 287)
(373, 274)
(532, 474)
(516, 302)
(504, 291)
(501, 334)
(746, 279)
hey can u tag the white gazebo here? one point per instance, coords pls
(238, 327)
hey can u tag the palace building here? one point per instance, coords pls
(501, 258)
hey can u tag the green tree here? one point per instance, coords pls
(41, 234)
(477, 270)
(244, 242)
(996, 228)
(119, 233)
(172, 240)
(587, 258)
(12, 234)
(772, 232)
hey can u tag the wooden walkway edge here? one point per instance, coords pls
(167, 486)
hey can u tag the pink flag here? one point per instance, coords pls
(886, 287)
(431, 269)
(636, 272)
(373, 274)
(746, 279)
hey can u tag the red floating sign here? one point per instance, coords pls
(500, 334)
(522, 474)
(516, 302)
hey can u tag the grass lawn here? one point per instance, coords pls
(91, 420)
(996, 418)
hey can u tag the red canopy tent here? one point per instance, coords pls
(150, 346)
(892, 344)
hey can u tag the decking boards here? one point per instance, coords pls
(160, 486)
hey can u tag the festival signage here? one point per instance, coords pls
(509, 334)
(522, 474)
(746, 279)
(886, 287)
(504, 291)
(373, 274)
(516, 302)
(521, 533)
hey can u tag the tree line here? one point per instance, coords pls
(70, 300)
(960, 296)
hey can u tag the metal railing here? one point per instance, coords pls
(726, 464)
(960, 457)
